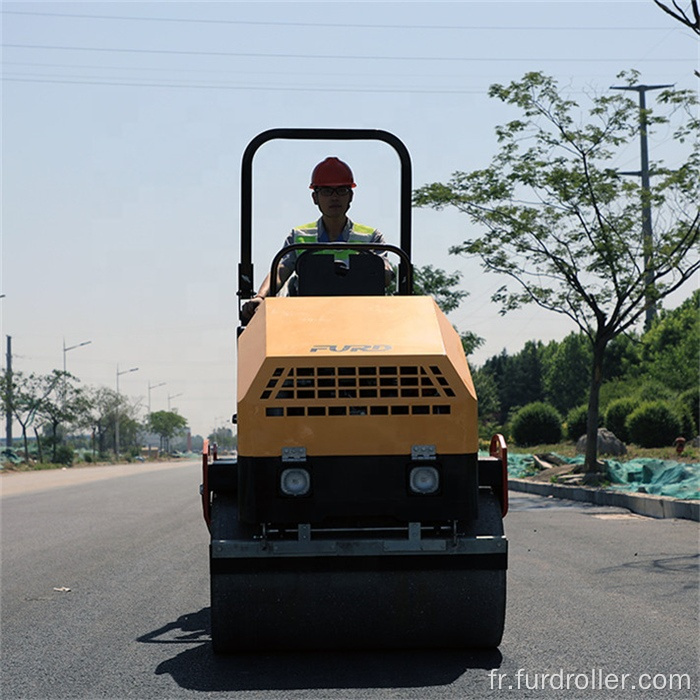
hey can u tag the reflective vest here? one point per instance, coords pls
(308, 233)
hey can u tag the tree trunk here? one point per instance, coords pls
(26, 442)
(38, 446)
(54, 434)
(591, 462)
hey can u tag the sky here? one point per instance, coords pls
(123, 127)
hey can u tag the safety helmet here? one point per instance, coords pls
(332, 172)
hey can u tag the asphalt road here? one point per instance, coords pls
(599, 599)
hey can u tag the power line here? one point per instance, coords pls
(223, 86)
(340, 25)
(236, 54)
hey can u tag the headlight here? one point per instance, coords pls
(424, 480)
(295, 482)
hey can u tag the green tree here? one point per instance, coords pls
(167, 424)
(564, 226)
(567, 372)
(27, 393)
(671, 348)
(62, 403)
(519, 377)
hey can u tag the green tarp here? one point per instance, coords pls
(643, 475)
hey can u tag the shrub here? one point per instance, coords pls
(577, 422)
(64, 455)
(653, 424)
(616, 417)
(536, 424)
(690, 401)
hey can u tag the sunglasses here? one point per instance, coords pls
(328, 191)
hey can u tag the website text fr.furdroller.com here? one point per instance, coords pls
(593, 679)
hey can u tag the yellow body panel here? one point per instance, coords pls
(353, 376)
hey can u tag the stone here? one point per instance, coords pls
(608, 444)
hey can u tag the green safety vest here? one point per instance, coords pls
(308, 233)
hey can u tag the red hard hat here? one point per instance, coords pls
(332, 172)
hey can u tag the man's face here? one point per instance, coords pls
(333, 202)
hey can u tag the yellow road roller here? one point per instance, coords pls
(358, 513)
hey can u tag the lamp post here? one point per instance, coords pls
(152, 386)
(172, 396)
(72, 347)
(66, 350)
(116, 411)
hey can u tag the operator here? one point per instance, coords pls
(332, 183)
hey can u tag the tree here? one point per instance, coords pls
(166, 424)
(670, 348)
(62, 403)
(680, 15)
(560, 222)
(566, 374)
(27, 393)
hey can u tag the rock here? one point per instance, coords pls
(608, 444)
(695, 442)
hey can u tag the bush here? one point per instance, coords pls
(536, 424)
(616, 417)
(64, 455)
(690, 402)
(653, 424)
(577, 422)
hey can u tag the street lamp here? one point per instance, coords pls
(72, 347)
(152, 386)
(65, 350)
(116, 411)
(172, 396)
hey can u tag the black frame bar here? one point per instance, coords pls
(246, 288)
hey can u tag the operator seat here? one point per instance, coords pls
(321, 275)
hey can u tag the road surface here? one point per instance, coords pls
(105, 595)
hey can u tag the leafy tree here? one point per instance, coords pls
(26, 397)
(671, 348)
(166, 424)
(563, 225)
(102, 407)
(566, 372)
(519, 377)
(62, 403)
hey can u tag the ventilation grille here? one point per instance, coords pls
(343, 391)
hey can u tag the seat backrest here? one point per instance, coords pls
(319, 275)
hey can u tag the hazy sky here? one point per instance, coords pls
(124, 126)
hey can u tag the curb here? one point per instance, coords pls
(640, 503)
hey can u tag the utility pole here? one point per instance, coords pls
(647, 234)
(8, 396)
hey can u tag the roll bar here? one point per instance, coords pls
(246, 288)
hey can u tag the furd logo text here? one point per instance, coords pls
(350, 348)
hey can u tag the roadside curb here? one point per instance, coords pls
(640, 503)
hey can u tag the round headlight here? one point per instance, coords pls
(295, 482)
(424, 480)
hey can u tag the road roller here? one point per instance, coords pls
(358, 512)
